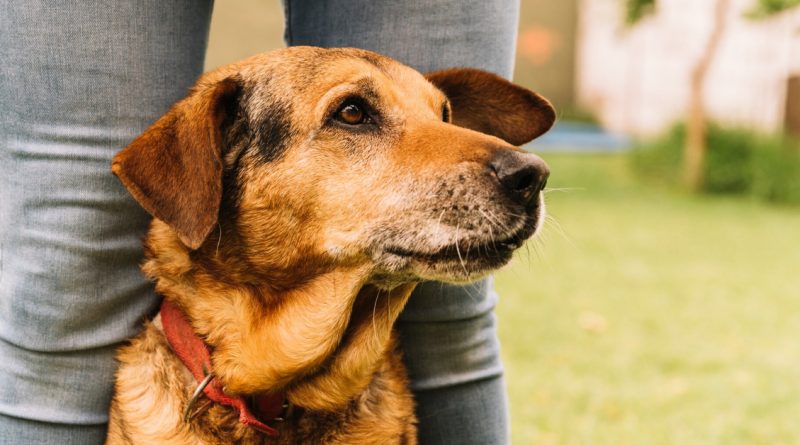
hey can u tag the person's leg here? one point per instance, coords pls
(79, 81)
(425, 34)
(448, 332)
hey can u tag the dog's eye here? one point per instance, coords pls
(352, 113)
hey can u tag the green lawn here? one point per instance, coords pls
(652, 317)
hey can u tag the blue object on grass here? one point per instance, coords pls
(579, 137)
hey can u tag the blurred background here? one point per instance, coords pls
(661, 305)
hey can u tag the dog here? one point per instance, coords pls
(297, 197)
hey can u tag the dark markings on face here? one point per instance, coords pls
(249, 141)
(272, 133)
(236, 139)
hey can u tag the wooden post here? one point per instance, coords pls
(791, 121)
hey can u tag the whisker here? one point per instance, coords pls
(468, 289)
(562, 189)
(552, 223)
(500, 224)
(491, 237)
(439, 224)
(486, 216)
(458, 251)
(491, 231)
(538, 248)
(376, 336)
(389, 313)
(219, 239)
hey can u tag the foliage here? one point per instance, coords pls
(766, 8)
(635, 10)
(659, 159)
(777, 175)
(729, 159)
(738, 161)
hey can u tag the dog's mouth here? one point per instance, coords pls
(466, 259)
(464, 250)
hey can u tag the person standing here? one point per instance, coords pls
(79, 81)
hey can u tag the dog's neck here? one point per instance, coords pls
(320, 342)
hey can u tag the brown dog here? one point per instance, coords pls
(297, 197)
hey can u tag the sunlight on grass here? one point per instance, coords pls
(652, 316)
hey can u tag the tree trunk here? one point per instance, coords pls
(696, 125)
(791, 120)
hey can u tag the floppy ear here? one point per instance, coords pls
(485, 102)
(174, 169)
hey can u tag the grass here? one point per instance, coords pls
(652, 316)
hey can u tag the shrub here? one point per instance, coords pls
(777, 175)
(659, 159)
(738, 161)
(729, 160)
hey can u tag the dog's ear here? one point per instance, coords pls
(174, 169)
(485, 102)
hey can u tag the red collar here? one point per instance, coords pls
(196, 356)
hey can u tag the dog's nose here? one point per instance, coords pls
(522, 175)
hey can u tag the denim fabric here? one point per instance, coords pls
(425, 34)
(79, 81)
(15, 431)
(465, 414)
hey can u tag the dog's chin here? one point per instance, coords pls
(462, 262)
(458, 270)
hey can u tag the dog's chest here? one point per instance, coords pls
(382, 414)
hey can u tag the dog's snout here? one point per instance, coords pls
(522, 175)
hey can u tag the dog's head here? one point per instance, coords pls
(305, 159)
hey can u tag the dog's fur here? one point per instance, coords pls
(292, 240)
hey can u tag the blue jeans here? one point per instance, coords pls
(79, 81)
